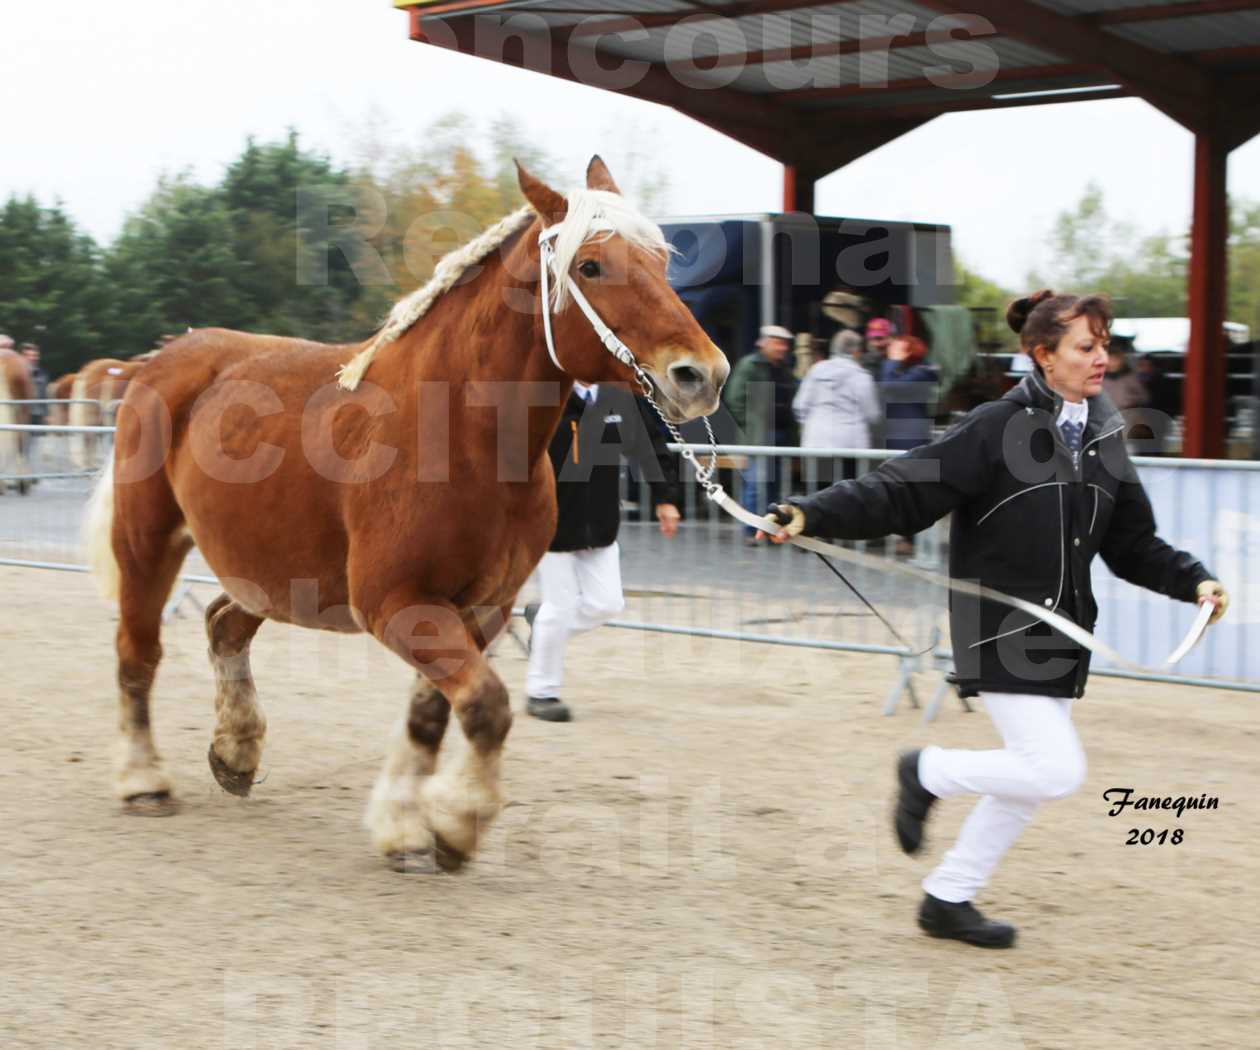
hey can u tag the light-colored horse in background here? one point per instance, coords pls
(15, 385)
(101, 382)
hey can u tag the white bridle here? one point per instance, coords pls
(546, 260)
(619, 350)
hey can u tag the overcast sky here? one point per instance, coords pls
(96, 99)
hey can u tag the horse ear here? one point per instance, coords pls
(598, 177)
(542, 198)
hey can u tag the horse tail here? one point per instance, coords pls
(98, 527)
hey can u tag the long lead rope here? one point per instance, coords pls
(706, 476)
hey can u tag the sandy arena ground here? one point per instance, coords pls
(703, 859)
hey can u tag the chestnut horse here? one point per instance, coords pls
(413, 508)
(103, 381)
(61, 389)
(15, 385)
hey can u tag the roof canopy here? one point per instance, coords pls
(818, 83)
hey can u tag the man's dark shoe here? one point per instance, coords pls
(961, 922)
(548, 708)
(531, 614)
(913, 803)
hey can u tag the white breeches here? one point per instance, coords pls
(580, 590)
(1042, 760)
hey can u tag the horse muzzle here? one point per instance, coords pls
(691, 388)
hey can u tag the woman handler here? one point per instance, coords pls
(1037, 482)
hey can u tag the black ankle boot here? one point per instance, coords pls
(961, 922)
(548, 708)
(913, 803)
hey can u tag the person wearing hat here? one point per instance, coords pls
(759, 395)
(879, 332)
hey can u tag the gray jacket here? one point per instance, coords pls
(837, 405)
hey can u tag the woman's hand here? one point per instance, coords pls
(784, 521)
(1214, 591)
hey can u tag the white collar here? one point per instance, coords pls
(1074, 413)
(587, 393)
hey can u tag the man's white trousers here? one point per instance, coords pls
(580, 590)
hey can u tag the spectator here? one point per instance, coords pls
(39, 382)
(580, 575)
(759, 395)
(1121, 383)
(909, 389)
(879, 332)
(838, 404)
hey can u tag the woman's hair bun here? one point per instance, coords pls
(1017, 313)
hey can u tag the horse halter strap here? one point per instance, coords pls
(546, 259)
(619, 350)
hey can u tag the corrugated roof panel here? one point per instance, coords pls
(1201, 33)
(843, 73)
(832, 70)
(1087, 7)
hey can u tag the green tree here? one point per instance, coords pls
(1244, 264)
(174, 266)
(51, 289)
(1090, 251)
(989, 302)
(301, 264)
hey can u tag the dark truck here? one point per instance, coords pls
(739, 272)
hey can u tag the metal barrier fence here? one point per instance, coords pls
(708, 582)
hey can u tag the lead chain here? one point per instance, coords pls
(704, 475)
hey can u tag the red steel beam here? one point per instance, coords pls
(894, 87)
(1203, 392)
(823, 120)
(750, 119)
(1179, 88)
(798, 190)
(1226, 56)
(831, 152)
(1165, 12)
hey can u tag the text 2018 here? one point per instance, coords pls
(1149, 837)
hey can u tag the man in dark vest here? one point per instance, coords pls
(580, 575)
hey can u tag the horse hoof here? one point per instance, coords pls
(151, 804)
(413, 862)
(234, 783)
(448, 858)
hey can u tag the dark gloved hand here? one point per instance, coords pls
(783, 521)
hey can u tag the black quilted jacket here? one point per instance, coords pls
(1027, 519)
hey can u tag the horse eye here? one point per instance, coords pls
(590, 268)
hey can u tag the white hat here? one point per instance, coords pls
(776, 331)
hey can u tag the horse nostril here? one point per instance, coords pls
(687, 377)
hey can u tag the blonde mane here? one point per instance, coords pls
(589, 212)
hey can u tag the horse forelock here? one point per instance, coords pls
(599, 215)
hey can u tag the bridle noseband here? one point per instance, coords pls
(614, 345)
